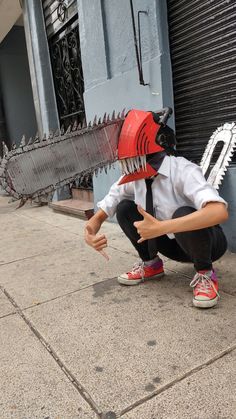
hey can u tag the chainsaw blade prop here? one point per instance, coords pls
(37, 168)
(225, 137)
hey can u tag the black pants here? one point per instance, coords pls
(201, 247)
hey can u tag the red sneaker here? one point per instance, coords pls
(205, 292)
(141, 272)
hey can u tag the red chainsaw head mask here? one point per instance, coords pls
(142, 145)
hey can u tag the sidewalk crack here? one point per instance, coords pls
(172, 383)
(78, 386)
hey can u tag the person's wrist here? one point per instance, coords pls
(163, 227)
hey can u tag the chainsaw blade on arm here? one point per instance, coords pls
(225, 137)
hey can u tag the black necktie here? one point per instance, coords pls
(149, 208)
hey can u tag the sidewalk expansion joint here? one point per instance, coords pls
(21, 259)
(67, 293)
(8, 315)
(32, 256)
(171, 384)
(79, 387)
(52, 225)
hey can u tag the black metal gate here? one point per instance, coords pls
(202, 37)
(68, 76)
(61, 21)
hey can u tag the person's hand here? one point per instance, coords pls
(96, 241)
(149, 227)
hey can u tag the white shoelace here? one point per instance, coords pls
(138, 268)
(203, 283)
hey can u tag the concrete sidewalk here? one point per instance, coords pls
(75, 344)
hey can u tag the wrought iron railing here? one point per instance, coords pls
(68, 74)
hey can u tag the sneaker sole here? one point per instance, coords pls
(131, 282)
(205, 303)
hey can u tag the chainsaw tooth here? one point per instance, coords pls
(137, 164)
(62, 130)
(143, 162)
(104, 118)
(99, 121)
(113, 117)
(140, 163)
(95, 120)
(23, 141)
(5, 149)
(30, 141)
(132, 165)
(123, 113)
(74, 126)
(57, 133)
(84, 124)
(36, 138)
(127, 165)
(68, 129)
(44, 137)
(125, 168)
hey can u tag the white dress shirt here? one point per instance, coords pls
(179, 183)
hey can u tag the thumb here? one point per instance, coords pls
(142, 211)
(89, 229)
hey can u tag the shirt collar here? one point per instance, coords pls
(164, 169)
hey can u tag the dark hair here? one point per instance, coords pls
(166, 139)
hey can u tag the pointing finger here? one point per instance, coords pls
(104, 254)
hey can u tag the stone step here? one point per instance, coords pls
(82, 209)
(82, 194)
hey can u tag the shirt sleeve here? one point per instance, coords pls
(115, 195)
(196, 189)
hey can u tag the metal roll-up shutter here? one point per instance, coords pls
(202, 37)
